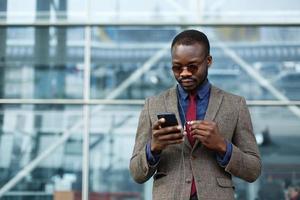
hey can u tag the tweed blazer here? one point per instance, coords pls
(178, 164)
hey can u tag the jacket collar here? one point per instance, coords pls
(201, 92)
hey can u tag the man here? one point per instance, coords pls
(194, 160)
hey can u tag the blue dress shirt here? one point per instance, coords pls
(203, 94)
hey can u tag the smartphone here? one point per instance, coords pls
(170, 118)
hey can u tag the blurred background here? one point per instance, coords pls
(74, 75)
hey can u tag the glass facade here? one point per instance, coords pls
(33, 132)
(42, 62)
(74, 74)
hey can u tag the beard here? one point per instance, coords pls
(197, 80)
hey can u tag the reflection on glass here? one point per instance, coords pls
(191, 11)
(42, 63)
(26, 133)
(29, 11)
(111, 144)
(260, 63)
(194, 11)
(278, 137)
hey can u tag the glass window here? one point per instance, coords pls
(262, 60)
(150, 11)
(42, 63)
(30, 11)
(111, 144)
(194, 11)
(27, 133)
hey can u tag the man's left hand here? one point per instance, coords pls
(208, 134)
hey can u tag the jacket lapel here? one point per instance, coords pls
(171, 102)
(214, 103)
(171, 105)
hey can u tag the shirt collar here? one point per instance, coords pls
(201, 92)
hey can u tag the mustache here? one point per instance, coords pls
(186, 79)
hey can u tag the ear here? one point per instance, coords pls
(209, 60)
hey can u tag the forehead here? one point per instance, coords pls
(191, 51)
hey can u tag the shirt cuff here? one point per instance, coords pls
(224, 160)
(151, 158)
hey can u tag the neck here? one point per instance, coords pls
(194, 91)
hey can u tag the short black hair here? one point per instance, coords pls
(189, 37)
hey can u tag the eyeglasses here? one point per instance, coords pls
(193, 68)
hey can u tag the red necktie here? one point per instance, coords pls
(191, 114)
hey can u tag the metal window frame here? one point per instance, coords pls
(143, 24)
(134, 102)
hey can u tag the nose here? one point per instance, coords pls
(185, 72)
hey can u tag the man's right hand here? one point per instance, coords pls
(162, 137)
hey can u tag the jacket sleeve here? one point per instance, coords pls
(140, 170)
(245, 161)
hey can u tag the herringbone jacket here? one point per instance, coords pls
(178, 163)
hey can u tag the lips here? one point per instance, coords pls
(187, 82)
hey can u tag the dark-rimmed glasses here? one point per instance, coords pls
(193, 67)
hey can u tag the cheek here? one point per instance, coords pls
(202, 75)
(176, 76)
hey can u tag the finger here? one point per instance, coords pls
(197, 124)
(208, 122)
(203, 133)
(172, 129)
(184, 132)
(194, 122)
(203, 127)
(202, 139)
(158, 123)
(172, 136)
(199, 137)
(167, 130)
(170, 142)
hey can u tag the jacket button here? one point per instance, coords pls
(188, 180)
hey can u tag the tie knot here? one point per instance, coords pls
(192, 97)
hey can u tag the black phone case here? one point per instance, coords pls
(170, 118)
